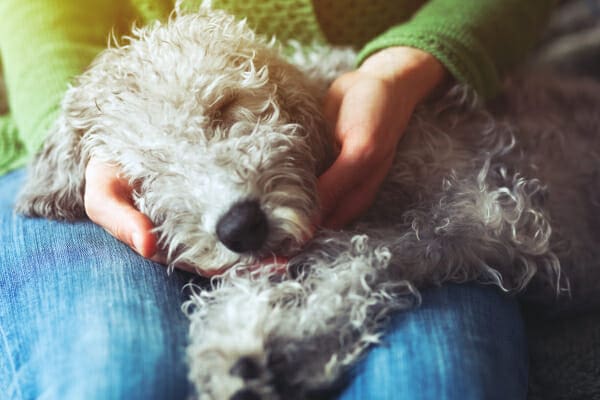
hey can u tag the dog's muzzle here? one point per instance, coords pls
(244, 227)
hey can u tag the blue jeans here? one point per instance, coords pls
(83, 317)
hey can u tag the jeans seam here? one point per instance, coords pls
(11, 362)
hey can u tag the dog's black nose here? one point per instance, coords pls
(244, 227)
(245, 394)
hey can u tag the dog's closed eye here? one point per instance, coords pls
(218, 110)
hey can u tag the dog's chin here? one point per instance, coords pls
(282, 245)
(278, 260)
(268, 261)
(266, 264)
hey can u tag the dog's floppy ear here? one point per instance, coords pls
(304, 107)
(54, 186)
(56, 178)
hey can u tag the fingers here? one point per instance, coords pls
(334, 97)
(348, 189)
(368, 119)
(346, 172)
(108, 203)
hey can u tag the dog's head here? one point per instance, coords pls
(221, 136)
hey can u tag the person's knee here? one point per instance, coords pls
(102, 355)
(464, 342)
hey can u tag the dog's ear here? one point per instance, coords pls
(54, 186)
(56, 178)
(303, 104)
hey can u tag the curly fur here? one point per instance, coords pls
(202, 114)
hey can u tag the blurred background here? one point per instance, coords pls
(565, 352)
(571, 44)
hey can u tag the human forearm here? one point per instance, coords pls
(44, 44)
(476, 40)
(413, 72)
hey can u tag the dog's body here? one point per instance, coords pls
(224, 140)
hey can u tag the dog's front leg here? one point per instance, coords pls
(230, 326)
(293, 335)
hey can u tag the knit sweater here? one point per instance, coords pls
(45, 43)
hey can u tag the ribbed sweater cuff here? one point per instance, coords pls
(459, 53)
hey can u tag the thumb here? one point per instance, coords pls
(129, 226)
(108, 203)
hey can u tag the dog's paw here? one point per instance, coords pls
(246, 394)
(263, 380)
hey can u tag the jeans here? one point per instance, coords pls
(83, 317)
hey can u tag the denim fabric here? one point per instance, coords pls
(465, 342)
(83, 317)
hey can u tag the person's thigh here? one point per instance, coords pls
(82, 316)
(465, 342)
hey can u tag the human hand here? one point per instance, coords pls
(108, 203)
(369, 108)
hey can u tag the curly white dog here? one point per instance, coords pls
(223, 137)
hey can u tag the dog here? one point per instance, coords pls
(223, 138)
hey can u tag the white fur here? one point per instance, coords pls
(201, 114)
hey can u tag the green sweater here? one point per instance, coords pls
(45, 43)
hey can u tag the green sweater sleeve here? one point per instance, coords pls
(43, 45)
(477, 40)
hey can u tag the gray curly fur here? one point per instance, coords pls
(201, 113)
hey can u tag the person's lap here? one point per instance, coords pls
(83, 316)
(464, 342)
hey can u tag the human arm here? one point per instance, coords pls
(369, 109)
(476, 41)
(45, 44)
